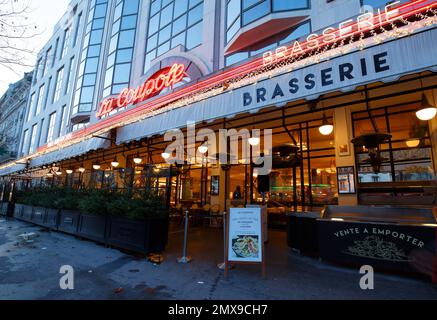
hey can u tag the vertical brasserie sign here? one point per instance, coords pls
(245, 237)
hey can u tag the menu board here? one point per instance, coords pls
(245, 236)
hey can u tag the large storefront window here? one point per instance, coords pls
(312, 181)
(118, 65)
(240, 13)
(406, 166)
(173, 23)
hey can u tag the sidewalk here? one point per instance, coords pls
(31, 271)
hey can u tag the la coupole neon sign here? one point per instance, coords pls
(164, 78)
(363, 23)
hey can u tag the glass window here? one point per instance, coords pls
(173, 23)
(233, 11)
(180, 7)
(124, 55)
(87, 95)
(248, 11)
(58, 85)
(194, 36)
(30, 108)
(130, 7)
(166, 15)
(24, 143)
(40, 100)
(118, 64)
(256, 12)
(121, 73)
(33, 138)
(70, 75)
(283, 5)
(195, 15)
(100, 11)
(51, 127)
(66, 43)
(129, 22)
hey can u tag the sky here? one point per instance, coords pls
(45, 14)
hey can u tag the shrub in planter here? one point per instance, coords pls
(138, 222)
(69, 214)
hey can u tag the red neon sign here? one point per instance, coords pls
(164, 78)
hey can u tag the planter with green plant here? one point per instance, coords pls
(94, 214)
(138, 222)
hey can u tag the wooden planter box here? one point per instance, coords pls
(4, 208)
(92, 227)
(157, 235)
(39, 216)
(27, 213)
(68, 221)
(52, 219)
(142, 236)
(18, 211)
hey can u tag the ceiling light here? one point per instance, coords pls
(427, 111)
(165, 155)
(96, 166)
(254, 141)
(82, 169)
(114, 163)
(203, 149)
(137, 159)
(69, 171)
(326, 128)
(413, 143)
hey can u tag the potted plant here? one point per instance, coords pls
(93, 218)
(24, 208)
(69, 214)
(138, 222)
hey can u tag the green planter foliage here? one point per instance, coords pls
(139, 204)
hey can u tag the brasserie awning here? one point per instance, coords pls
(385, 62)
(71, 151)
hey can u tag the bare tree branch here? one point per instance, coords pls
(15, 31)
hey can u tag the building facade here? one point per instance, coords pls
(118, 74)
(12, 109)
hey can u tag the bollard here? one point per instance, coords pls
(184, 258)
(223, 264)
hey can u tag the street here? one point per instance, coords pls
(30, 270)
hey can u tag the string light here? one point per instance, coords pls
(324, 53)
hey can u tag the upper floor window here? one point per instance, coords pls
(90, 57)
(58, 85)
(173, 23)
(40, 100)
(51, 127)
(66, 42)
(24, 142)
(47, 63)
(118, 65)
(377, 3)
(76, 30)
(55, 53)
(33, 138)
(240, 13)
(29, 113)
